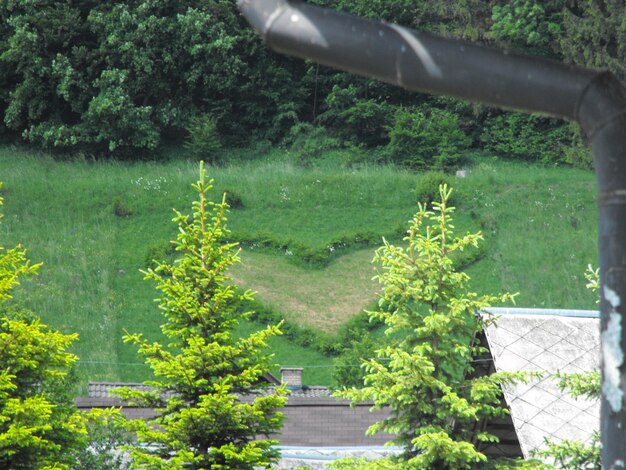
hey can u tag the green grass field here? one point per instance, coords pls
(95, 225)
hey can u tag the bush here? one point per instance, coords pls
(427, 187)
(233, 199)
(119, 209)
(158, 251)
(527, 25)
(426, 140)
(203, 141)
(348, 371)
(578, 154)
(369, 120)
(308, 256)
(308, 142)
(526, 137)
(106, 435)
(356, 120)
(354, 344)
(111, 78)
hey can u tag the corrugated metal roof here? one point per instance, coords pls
(546, 341)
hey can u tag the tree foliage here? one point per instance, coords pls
(527, 25)
(203, 141)
(118, 78)
(424, 375)
(112, 78)
(423, 141)
(526, 137)
(595, 34)
(106, 435)
(209, 388)
(39, 426)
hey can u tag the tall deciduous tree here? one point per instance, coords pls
(215, 407)
(39, 426)
(425, 374)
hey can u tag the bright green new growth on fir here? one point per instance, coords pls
(39, 427)
(424, 375)
(202, 374)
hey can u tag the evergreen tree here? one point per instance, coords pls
(215, 408)
(425, 374)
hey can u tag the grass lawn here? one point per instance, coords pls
(95, 225)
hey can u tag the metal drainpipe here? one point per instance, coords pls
(428, 63)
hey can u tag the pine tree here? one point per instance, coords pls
(215, 408)
(424, 375)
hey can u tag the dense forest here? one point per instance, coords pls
(121, 79)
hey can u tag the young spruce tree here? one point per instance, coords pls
(424, 375)
(215, 408)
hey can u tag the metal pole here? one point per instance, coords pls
(603, 116)
(428, 63)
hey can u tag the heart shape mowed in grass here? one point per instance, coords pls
(323, 298)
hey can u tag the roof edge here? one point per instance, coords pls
(542, 311)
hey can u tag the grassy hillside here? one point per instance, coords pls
(309, 235)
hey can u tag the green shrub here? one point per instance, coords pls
(354, 343)
(304, 336)
(110, 78)
(526, 137)
(427, 187)
(119, 209)
(309, 256)
(308, 142)
(162, 250)
(106, 435)
(527, 25)
(426, 140)
(233, 199)
(368, 120)
(348, 371)
(354, 119)
(578, 153)
(203, 141)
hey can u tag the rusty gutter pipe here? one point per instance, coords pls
(424, 62)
